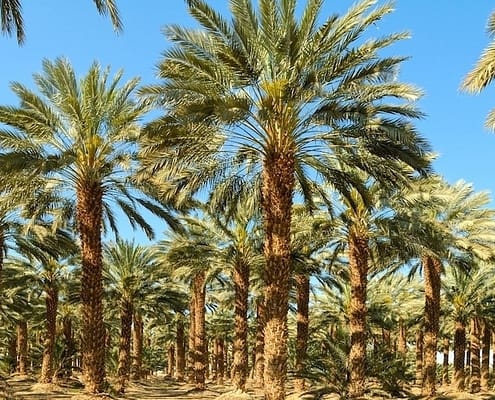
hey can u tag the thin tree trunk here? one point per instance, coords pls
(137, 348)
(277, 192)
(259, 345)
(51, 302)
(191, 336)
(358, 264)
(22, 347)
(69, 347)
(302, 299)
(171, 360)
(89, 221)
(402, 339)
(220, 361)
(124, 367)
(241, 292)
(445, 365)
(485, 355)
(181, 350)
(419, 356)
(200, 330)
(459, 355)
(432, 268)
(475, 355)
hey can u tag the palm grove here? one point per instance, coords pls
(307, 236)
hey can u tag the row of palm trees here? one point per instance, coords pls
(258, 111)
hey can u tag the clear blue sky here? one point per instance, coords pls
(447, 39)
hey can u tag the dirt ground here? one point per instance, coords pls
(161, 388)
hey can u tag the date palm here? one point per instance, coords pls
(76, 135)
(267, 95)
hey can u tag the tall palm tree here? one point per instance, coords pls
(76, 135)
(11, 19)
(267, 95)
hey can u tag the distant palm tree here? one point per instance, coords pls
(11, 18)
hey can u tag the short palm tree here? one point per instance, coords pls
(267, 95)
(76, 136)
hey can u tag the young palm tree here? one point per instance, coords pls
(75, 135)
(267, 95)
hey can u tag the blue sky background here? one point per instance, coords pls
(447, 38)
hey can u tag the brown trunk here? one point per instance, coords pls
(22, 347)
(475, 355)
(302, 299)
(432, 269)
(124, 367)
(277, 192)
(386, 339)
(171, 360)
(220, 360)
(2, 254)
(137, 348)
(51, 302)
(69, 346)
(259, 346)
(192, 335)
(419, 356)
(445, 364)
(12, 353)
(181, 350)
(459, 354)
(485, 355)
(199, 294)
(358, 264)
(89, 221)
(402, 339)
(241, 292)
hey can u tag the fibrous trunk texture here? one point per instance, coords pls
(432, 269)
(124, 367)
(69, 346)
(277, 192)
(199, 352)
(302, 299)
(22, 347)
(89, 221)
(475, 355)
(259, 345)
(220, 360)
(445, 364)
(171, 360)
(137, 347)
(485, 355)
(181, 350)
(191, 336)
(419, 356)
(358, 264)
(51, 302)
(459, 353)
(241, 292)
(402, 339)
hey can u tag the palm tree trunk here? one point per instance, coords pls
(220, 360)
(181, 350)
(475, 355)
(302, 299)
(459, 354)
(2, 254)
(171, 360)
(485, 355)
(259, 345)
(69, 346)
(277, 192)
(445, 366)
(22, 347)
(402, 339)
(358, 264)
(137, 349)
(124, 367)
(51, 302)
(432, 268)
(192, 335)
(419, 356)
(89, 221)
(200, 330)
(241, 292)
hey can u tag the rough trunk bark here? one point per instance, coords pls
(199, 330)
(22, 347)
(459, 354)
(69, 347)
(402, 339)
(432, 269)
(445, 364)
(124, 367)
(277, 192)
(259, 345)
(485, 355)
(302, 299)
(358, 263)
(137, 348)
(51, 302)
(89, 220)
(181, 350)
(171, 360)
(221, 361)
(475, 355)
(419, 356)
(241, 292)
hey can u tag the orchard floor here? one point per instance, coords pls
(160, 388)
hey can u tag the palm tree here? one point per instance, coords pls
(11, 19)
(268, 96)
(75, 135)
